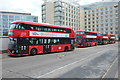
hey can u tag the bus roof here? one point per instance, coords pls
(112, 34)
(85, 31)
(41, 24)
(99, 33)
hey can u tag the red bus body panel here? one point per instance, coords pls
(82, 36)
(40, 48)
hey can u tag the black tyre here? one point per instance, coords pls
(33, 52)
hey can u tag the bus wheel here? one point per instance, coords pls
(66, 49)
(33, 52)
(95, 44)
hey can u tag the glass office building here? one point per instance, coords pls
(7, 17)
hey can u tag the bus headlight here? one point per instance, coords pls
(11, 33)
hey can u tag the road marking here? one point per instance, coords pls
(6, 58)
(68, 65)
(16, 58)
(109, 67)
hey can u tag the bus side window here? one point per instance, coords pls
(58, 41)
(27, 27)
(49, 41)
(61, 30)
(32, 28)
(42, 41)
(37, 42)
(45, 41)
(49, 29)
(31, 41)
(55, 41)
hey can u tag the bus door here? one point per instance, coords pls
(23, 45)
(46, 46)
(72, 43)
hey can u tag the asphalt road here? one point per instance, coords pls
(91, 62)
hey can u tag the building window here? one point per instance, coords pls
(89, 11)
(101, 9)
(111, 20)
(106, 21)
(97, 9)
(110, 7)
(110, 11)
(4, 16)
(106, 16)
(101, 17)
(116, 28)
(106, 32)
(111, 16)
(101, 21)
(88, 22)
(106, 29)
(116, 11)
(89, 26)
(97, 18)
(111, 28)
(97, 25)
(88, 15)
(101, 29)
(97, 14)
(106, 9)
(97, 29)
(106, 24)
(89, 29)
(106, 12)
(111, 24)
(101, 13)
(116, 23)
(101, 25)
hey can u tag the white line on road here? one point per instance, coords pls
(68, 65)
(109, 67)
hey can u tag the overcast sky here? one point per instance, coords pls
(30, 6)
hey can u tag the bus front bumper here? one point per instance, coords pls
(14, 54)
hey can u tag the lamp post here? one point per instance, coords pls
(118, 19)
(118, 6)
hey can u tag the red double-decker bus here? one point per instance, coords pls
(85, 38)
(100, 38)
(112, 38)
(103, 38)
(29, 38)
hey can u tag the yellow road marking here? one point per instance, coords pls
(7, 58)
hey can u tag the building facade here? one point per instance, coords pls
(7, 17)
(62, 12)
(98, 17)
(102, 17)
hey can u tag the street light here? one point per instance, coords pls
(118, 19)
